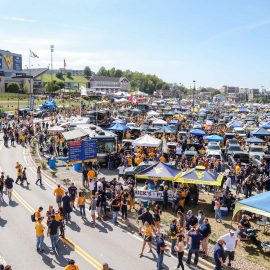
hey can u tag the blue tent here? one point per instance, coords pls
(165, 129)
(213, 138)
(159, 171)
(173, 122)
(120, 121)
(258, 204)
(255, 140)
(261, 132)
(197, 132)
(243, 110)
(234, 124)
(118, 127)
(48, 105)
(266, 125)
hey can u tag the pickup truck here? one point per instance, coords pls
(236, 156)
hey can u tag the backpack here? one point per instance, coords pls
(33, 217)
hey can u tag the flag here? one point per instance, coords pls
(65, 64)
(131, 98)
(32, 54)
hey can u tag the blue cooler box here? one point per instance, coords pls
(145, 203)
(224, 211)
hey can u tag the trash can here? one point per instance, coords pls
(77, 167)
(52, 164)
(224, 211)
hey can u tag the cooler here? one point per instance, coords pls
(224, 211)
(52, 164)
(145, 203)
(77, 167)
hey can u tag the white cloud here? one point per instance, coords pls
(17, 19)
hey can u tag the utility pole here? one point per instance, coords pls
(52, 50)
(193, 96)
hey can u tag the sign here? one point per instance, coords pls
(152, 195)
(10, 62)
(32, 103)
(17, 63)
(82, 151)
(1, 65)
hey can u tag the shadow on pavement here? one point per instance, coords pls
(3, 222)
(13, 203)
(73, 226)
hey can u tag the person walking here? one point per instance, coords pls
(147, 239)
(218, 211)
(39, 235)
(81, 203)
(24, 177)
(19, 173)
(219, 254)
(230, 240)
(160, 251)
(195, 243)
(59, 193)
(53, 232)
(179, 248)
(9, 186)
(66, 206)
(72, 190)
(205, 230)
(93, 208)
(173, 235)
(39, 178)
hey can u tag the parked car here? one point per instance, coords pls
(236, 156)
(190, 154)
(132, 171)
(255, 150)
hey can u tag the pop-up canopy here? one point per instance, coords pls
(147, 141)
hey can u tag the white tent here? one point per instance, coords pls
(56, 129)
(147, 141)
(152, 113)
(121, 100)
(160, 122)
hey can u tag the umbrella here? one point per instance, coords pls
(120, 121)
(266, 125)
(197, 132)
(261, 132)
(234, 124)
(213, 138)
(255, 140)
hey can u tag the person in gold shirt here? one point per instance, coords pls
(71, 266)
(148, 231)
(81, 203)
(237, 169)
(58, 193)
(162, 159)
(39, 234)
(138, 160)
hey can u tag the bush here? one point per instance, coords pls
(59, 75)
(13, 87)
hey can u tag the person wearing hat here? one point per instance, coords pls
(219, 254)
(230, 240)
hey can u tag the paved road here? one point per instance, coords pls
(91, 246)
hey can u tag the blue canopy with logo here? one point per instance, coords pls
(213, 138)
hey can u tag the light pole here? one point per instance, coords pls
(193, 101)
(52, 50)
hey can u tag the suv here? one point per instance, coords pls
(238, 155)
(132, 171)
(255, 150)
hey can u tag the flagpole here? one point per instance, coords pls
(30, 75)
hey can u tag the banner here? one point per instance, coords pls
(1, 65)
(82, 151)
(152, 195)
(17, 63)
(32, 103)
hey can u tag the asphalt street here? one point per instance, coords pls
(89, 246)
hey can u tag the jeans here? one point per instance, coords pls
(173, 243)
(115, 216)
(160, 261)
(82, 210)
(54, 240)
(40, 242)
(196, 252)
(217, 214)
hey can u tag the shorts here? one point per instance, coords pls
(93, 212)
(204, 243)
(230, 255)
(9, 189)
(98, 210)
(121, 175)
(147, 238)
(58, 199)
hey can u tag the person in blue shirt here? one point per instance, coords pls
(219, 254)
(205, 230)
(160, 251)
(195, 243)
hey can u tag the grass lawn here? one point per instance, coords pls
(244, 250)
(76, 79)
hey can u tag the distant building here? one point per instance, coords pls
(254, 94)
(108, 84)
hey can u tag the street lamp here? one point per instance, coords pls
(52, 50)
(194, 89)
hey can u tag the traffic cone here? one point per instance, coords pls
(67, 167)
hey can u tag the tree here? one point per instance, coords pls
(26, 88)
(87, 71)
(111, 72)
(13, 87)
(103, 72)
(52, 87)
(69, 74)
(118, 73)
(59, 75)
(60, 85)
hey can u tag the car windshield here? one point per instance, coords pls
(256, 149)
(213, 147)
(235, 148)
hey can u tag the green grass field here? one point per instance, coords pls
(76, 79)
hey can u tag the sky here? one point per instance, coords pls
(212, 42)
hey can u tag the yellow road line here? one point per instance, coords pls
(67, 241)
